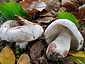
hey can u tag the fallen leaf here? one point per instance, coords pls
(44, 27)
(8, 10)
(35, 51)
(32, 6)
(77, 54)
(5, 1)
(24, 59)
(67, 60)
(22, 20)
(7, 56)
(80, 16)
(62, 9)
(46, 14)
(79, 60)
(52, 6)
(71, 5)
(42, 60)
(45, 20)
(68, 4)
(82, 8)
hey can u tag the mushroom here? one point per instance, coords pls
(61, 36)
(12, 31)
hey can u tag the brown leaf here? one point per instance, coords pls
(32, 6)
(45, 20)
(65, 2)
(52, 5)
(82, 8)
(42, 60)
(69, 5)
(45, 13)
(62, 9)
(22, 20)
(35, 51)
(44, 26)
(79, 15)
(67, 60)
(24, 59)
(5, 1)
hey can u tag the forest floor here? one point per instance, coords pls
(38, 17)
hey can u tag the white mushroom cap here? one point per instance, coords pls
(56, 27)
(11, 31)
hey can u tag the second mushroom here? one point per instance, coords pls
(13, 31)
(61, 36)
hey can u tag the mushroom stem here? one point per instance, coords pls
(60, 45)
(22, 45)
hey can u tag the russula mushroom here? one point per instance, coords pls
(12, 31)
(61, 36)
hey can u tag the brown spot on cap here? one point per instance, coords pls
(81, 42)
(65, 53)
(52, 47)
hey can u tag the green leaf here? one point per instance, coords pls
(69, 16)
(84, 28)
(78, 60)
(8, 10)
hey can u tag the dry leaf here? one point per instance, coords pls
(82, 8)
(43, 60)
(13, 0)
(79, 15)
(62, 9)
(32, 6)
(5, 1)
(35, 51)
(67, 60)
(7, 56)
(45, 20)
(22, 20)
(78, 54)
(46, 14)
(24, 59)
(69, 5)
(52, 5)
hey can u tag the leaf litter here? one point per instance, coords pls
(51, 12)
(32, 6)
(35, 51)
